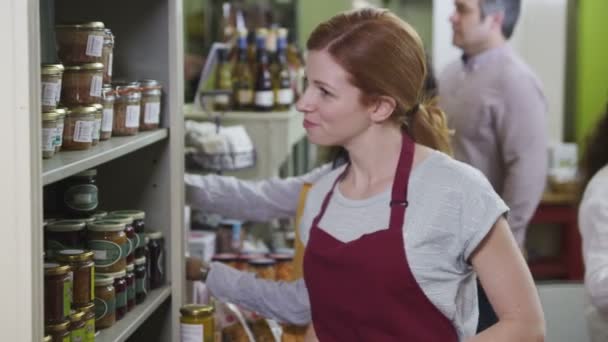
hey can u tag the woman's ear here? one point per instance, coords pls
(382, 108)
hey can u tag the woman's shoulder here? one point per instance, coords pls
(326, 181)
(442, 170)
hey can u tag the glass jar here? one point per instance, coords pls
(105, 302)
(82, 265)
(80, 43)
(60, 125)
(140, 280)
(77, 326)
(49, 134)
(78, 130)
(283, 266)
(110, 244)
(150, 105)
(107, 55)
(57, 292)
(63, 234)
(51, 85)
(89, 321)
(139, 225)
(82, 84)
(97, 123)
(120, 288)
(107, 94)
(197, 323)
(126, 109)
(130, 287)
(229, 259)
(244, 258)
(129, 231)
(263, 268)
(156, 248)
(59, 332)
(79, 195)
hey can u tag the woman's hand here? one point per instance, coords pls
(195, 268)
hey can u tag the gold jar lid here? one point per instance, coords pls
(66, 226)
(103, 280)
(135, 214)
(76, 316)
(61, 111)
(99, 215)
(51, 69)
(82, 110)
(92, 25)
(154, 234)
(140, 261)
(107, 225)
(261, 262)
(87, 308)
(53, 268)
(119, 274)
(99, 108)
(126, 219)
(196, 310)
(49, 116)
(130, 267)
(72, 255)
(59, 327)
(47, 338)
(85, 67)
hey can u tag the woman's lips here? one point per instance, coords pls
(308, 124)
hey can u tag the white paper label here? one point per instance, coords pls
(94, 46)
(96, 129)
(132, 119)
(49, 94)
(245, 96)
(107, 120)
(152, 113)
(110, 60)
(83, 131)
(48, 139)
(59, 134)
(192, 332)
(100, 255)
(222, 99)
(285, 96)
(96, 83)
(264, 98)
(58, 91)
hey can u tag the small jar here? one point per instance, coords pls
(97, 123)
(129, 231)
(79, 195)
(120, 288)
(126, 109)
(263, 268)
(78, 130)
(150, 105)
(63, 234)
(59, 332)
(105, 302)
(283, 266)
(108, 241)
(77, 326)
(156, 248)
(130, 287)
(140, 280)
(89, 320)
(57, 292)
(139, 225)
(244, 259)
(80, 43)
(49, 134)
(229, 259)
(60, 126)
(107, 55)
(82, 84)
(107, 95)
(197, 323)
(51, 85)
(82, 265)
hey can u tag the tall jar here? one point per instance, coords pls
(109, 242)
(139, 225)
(51, 85)
(197, 323)
(156, 248)
(63, 234)
(57, 292)
(80, 43)
(80, 194)
(129, 231)
(120, 288)
(150, 105)
(89, 320)
(126, 109)
(59, 332)
(60, 125)
(49, 134)
(82, 84)
(107, 55)
(105, 302)
(141, 290)
(82, 265)
(97, 123)
(77, 326)
(78, 130)
(107, 120)
(130, 278)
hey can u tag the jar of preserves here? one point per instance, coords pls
(59, 332)
(120, 288)
(64, 234)
(141, 289)
(49, 134)
(80, 43)
(107, 55)
(77, 326)
(97, 123)
(82, 84)
(244, 258)
(78, 130)
(263, 268)
(107, 120)
(150, 105)
(60, 125)
(129, 231)
(79, 195)
(283, 266)
(105, 302)
(57, 292)
(229, 259)
(130, 287)
(51, 85)
(89, 321)
(109, 242)
(82, 265)
(126, 109)
(139, 225)
(156, 250)
(197, 323)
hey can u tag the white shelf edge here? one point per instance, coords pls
(68, 163)
(191, 112)
(124, 328)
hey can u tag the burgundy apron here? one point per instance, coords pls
(364, 290)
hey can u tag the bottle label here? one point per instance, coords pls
(285, 96)
(107, 120)
(152, 113)
(104, 307)
(245, 97)
(222, 99)
(96, 84)
(82, 197)
(192, 332)
(132, 120)
(49, 94)
(264, 98)
(106, 253)
(94, 46)
(49, 136)
(83, 131)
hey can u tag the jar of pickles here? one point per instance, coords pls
(59, 332)
(77, 326)
(57, 292)
(130, 278)
(82, 265)
(107, 55)
(64, 234)
(126, 109)
(129, 231)
(109, 242)
(51, 85)
(89, 321)
(141, 289)
(107, 95)
(80, 43)
(105, 302)
(120, 288)
(78, 130)
(97, 123)
(49, 134)
(150, 105)
(82, 84)
(60, 125)
(197, 323)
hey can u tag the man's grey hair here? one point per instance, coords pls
(510, 8)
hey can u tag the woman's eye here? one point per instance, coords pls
(324, 92)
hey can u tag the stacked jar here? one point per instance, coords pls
(150, 105)
(127, 107)
(51, 79)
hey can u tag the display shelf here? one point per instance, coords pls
(124, 328)
(68, 163)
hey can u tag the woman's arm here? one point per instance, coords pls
(508, 283)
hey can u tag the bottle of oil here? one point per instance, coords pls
(264, 94)
(284, 95)
(242, 78)
(223, 81)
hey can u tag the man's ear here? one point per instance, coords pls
(497, 20)
(382, 108)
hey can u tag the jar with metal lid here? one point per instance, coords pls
(263, 268)
(107, 55)
(126, 109)
(129, 231)
(283, 266)
(59, 332)
(138, 217)
(244, 258)
(107, 95)
(82, 265)
(61, 112)
(109, 242)
(197, 323)
(130, 287)
(79, 194)
(105, 302)
(97, 123)
(150, 105)
(51, 85)
(141, 289)
(78, 130)
(77, 326)
(120, 288)
(49, 134)
(89, 321)
(82, 84)
(57, 292)
(63, 234)
(80, 43)
(156, 248)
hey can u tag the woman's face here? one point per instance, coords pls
(333, 113)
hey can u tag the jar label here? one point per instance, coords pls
(107, 120)
(121, 299)
(152, 113)
(96, 129)
(245, 97)
(58, 91)
(192, 332)
(66, 339)
(59, 134)
(132, 120)
(96, 84)
(110, 61)
(285, 96)
(264, 98)
(104, 307)
(49, 94)
(83, 131)
(107, 253)
(92, 283)
(140, 284)
(82, 197)
(89, 330)
(48, 139)
(131, 292)
(94, 46)
(77, 335)
(67, 297)
(222, 99)
(130, 246)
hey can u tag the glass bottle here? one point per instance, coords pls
(264, 95)
(282, 78)
(223, 81)
(242, 78)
